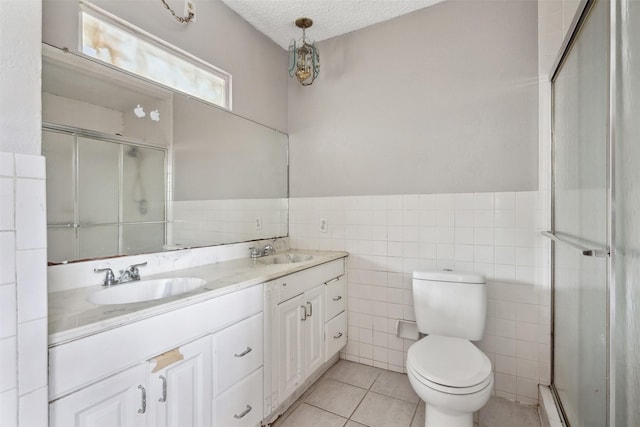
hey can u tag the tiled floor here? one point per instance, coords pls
(355, 395)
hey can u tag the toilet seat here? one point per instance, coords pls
(450, 365)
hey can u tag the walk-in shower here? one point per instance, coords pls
(596, 217)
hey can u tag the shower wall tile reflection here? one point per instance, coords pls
(388, 237)
(207, 222)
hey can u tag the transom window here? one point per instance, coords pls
(116, 42)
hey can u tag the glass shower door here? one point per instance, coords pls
(581, 109)
(626, 261)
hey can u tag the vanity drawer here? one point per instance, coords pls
(297, 283)
(336, 297)
(335, 335)
(241, 405)
(238, 351)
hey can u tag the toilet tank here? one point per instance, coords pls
(450, 303)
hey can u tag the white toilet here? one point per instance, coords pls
(445, 369)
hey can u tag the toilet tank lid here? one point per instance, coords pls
(449, 276)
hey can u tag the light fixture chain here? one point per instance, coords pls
(180, 19)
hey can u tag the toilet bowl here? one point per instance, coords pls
(449, 373)
(452, 377)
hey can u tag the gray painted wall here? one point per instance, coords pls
(20, 67)
(441, 100)
(219, 36)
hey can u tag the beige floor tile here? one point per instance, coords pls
(337, 397)
(353, 373)
(499, 412)
(377, 410)
(354, 424)
(310, 416)
(418, 418)
(395, 385)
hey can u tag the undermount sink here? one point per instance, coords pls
(285, 258)
(146, 290)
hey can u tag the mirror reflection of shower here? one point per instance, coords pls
(138, 193)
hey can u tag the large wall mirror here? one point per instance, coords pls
(133, 167)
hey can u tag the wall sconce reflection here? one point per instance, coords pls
(139, 112)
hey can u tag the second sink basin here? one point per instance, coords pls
(285, 258)
(146, 290)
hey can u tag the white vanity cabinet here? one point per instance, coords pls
(301, 339)
(295, 329)
(313, 330)
(136, 375)
(118, 401)
(238, 367)
(172, 389)
(335, 328)
(180, 386)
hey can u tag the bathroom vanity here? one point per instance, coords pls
(228, 341)
(230, 353)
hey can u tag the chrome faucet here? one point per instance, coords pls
(268, 249)
(109, 279)
(129, 275)
(255, 253)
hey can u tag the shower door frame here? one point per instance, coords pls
(121, 141)
(582, 13)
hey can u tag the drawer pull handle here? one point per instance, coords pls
(284, 284)
(143, 409)
(333, 280)
(338, 336)
(243, 413)
(244, 353)
(164, 390)
(305, 312)
(310, 309)
(338, 298)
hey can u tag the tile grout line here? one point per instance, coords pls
(363, 397)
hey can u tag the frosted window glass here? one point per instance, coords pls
(128, 50)
(61, 244)
(627, 184)
(58, 150)
(142, 238)
(580, 214)
(98, 171)
(143, 192)
(98, 241)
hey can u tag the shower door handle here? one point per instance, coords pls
(599, 253)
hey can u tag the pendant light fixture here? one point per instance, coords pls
(304, 59)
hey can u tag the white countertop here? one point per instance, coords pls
(72, 316)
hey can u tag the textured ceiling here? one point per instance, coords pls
(275, 18)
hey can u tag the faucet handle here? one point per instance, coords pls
(134, 274)
(268, 250)
(140, 264)
(109, 279)
(255, 252)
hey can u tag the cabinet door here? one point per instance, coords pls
(118, 401)
(290, 357)
(181, 386)
(314, 330)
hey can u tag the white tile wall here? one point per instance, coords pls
(8, 408)
(23, 291)
(388, 237)
(206, 222)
